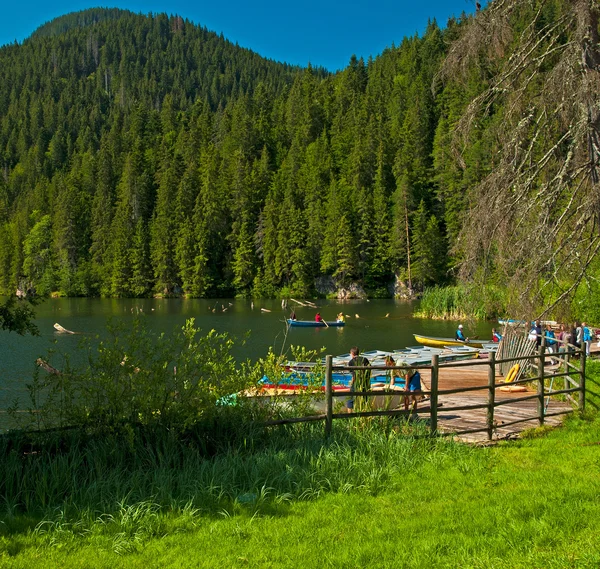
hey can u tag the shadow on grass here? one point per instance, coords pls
(72, 475)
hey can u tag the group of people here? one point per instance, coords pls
(339, 317)
(319, 318)
(361, 379)
(576, 334)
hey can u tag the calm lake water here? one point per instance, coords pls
(371, 330)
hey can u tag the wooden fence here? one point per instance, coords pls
(573, 390)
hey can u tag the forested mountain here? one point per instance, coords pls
(146, 155)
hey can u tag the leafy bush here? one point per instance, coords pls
(137, 377)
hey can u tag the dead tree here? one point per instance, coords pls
(535, 216)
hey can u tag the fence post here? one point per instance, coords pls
(582, 378)
(540, 387)
(328, 396)
(566, 361)
(491, 395)
(434, 392)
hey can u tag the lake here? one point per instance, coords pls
(88, 316)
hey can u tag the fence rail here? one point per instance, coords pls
(537, 361)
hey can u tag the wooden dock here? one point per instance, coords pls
(469, 399)
(471, 376)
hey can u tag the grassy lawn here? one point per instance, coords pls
(531, 503)
(376, 494)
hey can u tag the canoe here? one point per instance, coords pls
(443, 342)
(313, 323)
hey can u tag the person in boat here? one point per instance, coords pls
(460, 335)
(412, 389)
(318, 317)
(361, 379)
(496, 336)
(293, 315)
(340, 317)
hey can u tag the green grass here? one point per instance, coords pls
(377, 494)
(371, 497)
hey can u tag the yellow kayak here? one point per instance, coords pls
(433, 342)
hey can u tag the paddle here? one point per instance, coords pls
(325, 322)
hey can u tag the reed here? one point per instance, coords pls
(461, 302)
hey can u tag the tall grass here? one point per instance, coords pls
(127, 487)
(373, 495)
(70, 473)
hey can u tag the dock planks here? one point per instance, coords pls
(456, 421)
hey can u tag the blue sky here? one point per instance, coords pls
(323, 33)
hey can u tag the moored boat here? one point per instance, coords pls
(314, 323)
(443, 342)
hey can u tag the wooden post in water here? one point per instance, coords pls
(491, 395)
(328, 396)
(434, 392)
(540, 387)
(582, 378)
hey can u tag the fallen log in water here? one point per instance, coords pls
(306, 303)
(47, 367)
(61, 329)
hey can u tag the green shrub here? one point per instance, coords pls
(137, 377)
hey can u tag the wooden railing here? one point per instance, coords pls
(574, 391)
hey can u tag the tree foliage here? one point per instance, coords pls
(146, 155)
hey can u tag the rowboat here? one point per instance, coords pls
(314, 323)
(443, 342)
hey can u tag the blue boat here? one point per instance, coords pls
(314, 323)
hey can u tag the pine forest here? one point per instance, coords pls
(146, 155)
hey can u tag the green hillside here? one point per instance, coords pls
(146, 155)
(74, 20)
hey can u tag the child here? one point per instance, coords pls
(413, 388)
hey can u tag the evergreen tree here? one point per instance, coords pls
(429, 249)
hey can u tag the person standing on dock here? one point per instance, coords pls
(412, 389)
(361, 379)
(393, 374)
(538, 333)
(586, 334)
